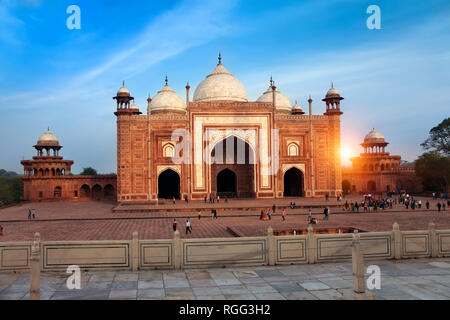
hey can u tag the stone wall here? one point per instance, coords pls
(179, 253)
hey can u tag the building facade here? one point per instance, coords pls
(48, 176)
(221, 144)
(376, 171)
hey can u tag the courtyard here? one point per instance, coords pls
(413, 279)
(94, 220)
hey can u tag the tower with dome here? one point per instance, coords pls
(376, 171)
(221, 144)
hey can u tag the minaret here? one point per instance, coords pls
(123, 99)
(333, 111)
(333, 101)
(187, 93)
(311, 148)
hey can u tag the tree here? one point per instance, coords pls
(439, 139)
(434, 169)
(88, 172)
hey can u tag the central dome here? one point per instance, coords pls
(220, 85)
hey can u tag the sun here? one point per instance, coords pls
(345, 154)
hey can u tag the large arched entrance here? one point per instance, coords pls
(109, 191)
(169, 185)
(232, 170)
(293, 183)
(226, 183)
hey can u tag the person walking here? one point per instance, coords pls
(199, 213)
(215, 214)
(427, 204)
(439, 206)
(269, 214)
(174, 225)
(29, 214)
(33, 212)
(188, 226)
(283, 215)
(309, 213)
(274, 207)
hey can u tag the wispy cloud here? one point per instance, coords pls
(188, 25)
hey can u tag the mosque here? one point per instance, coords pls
(221, 144)
(217, 145)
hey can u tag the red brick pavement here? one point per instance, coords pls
(79, 227)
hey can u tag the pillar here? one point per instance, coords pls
(310, 245)
(176, 252)
(135, 252)
(271, 247)
(397, 239)
(357, 264)
(434, 243)
(35, 271)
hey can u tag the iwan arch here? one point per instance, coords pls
(222, 144)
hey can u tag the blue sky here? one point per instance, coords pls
(395, 79)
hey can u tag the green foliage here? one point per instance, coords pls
(11, 190)
(8, 174)
(434, 169)
(439, 139)
(88, 172)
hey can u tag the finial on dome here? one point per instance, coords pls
(332, 84)
(220, 59)
(123, 83)
(48, 128)
(167, 80)
(271, 81)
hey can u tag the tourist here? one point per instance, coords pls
(215, 214)
(357, 206)
(206, 198)
(29, 214)
(420, 204)
(327, 197)
(427, 204)
(309, 212)
(186, 199)
(33, 212)
(283, 214)
(218, 199)
(261, 216)
(439, 206)
(173, 200)
(174, 225)
(346, 205)
(188, 226)
(199, 213)
(269, 214)
(274, 208)
(293, 205)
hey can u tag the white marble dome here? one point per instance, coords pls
(374, 136)
(282, 103)
(134, 106)
(123, 91)
(167, 100)
(46, 137)
(220, 85)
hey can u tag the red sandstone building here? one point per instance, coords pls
(48, 176)
(376, 171)
(221, 144)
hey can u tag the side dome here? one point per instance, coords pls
(332, 93)
(374, 137)
(282, 103)
(167, 100)
(123, 91)
(220, 85)
(48, 139)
